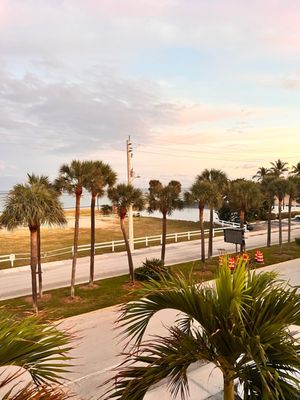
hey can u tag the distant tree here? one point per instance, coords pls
(244, 195)
(279, 168)
(293, 191)
(201, 192)
(32, 205)
(220, 180)
(268, 192)
(261, 173)
(122, 196)
(99, 177)
(164, 199)
(295, 169)
(72, 179)
(281, 187)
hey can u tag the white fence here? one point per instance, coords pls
(114, 244)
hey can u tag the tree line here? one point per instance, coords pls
(37, 202)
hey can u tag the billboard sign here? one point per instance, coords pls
(234, 235)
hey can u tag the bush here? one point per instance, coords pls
(151, 269)
(297, 240)
(106, 209)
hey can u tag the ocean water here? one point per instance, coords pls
(187, 214)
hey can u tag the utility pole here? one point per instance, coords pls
(129, 152)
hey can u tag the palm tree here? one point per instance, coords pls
(279, 168)
(244, 195)
(240, 324)
(296, 169)
(261, 173)
(280, 186)
(122, 196)
(32, 205)
(37, 348)
(100, 175)
(268, 192)
(201, 192)
(40, 180)
(219, 178)
(293, 191)
(164, 199)
(72, 179)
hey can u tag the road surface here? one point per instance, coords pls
(96, 352)
(16, 282)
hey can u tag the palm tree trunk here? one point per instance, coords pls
(92, 254)
(289, 219)
(269, 232)
(76, 233)
(39, 262)
(201, 212)
(33, 264)
(129, 255)
(228, 386)
(211, 227)
(242, 223)
(280, 223)
(164, 235)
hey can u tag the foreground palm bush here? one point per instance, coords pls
(34, 348)
(241, 325)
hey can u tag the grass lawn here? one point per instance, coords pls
(18, 241)
(108, 292)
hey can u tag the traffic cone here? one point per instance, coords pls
(259, 258)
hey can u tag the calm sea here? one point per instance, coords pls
(187, 214)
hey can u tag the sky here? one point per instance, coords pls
(195, 83)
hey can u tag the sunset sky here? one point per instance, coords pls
(197, 84)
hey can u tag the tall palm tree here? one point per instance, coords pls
(100, 176)
(279, 168)
(280, 186)
(32, 205)
(122, 196)
(72, 179)
(261, 173)
(244, 195)
(240, 324)
(164, 199)
(201, 192)
(219, 178)
(36, 348)
(268, 192)
(293, 191)
(295, 169)
(40, 180)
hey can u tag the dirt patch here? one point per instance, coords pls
(72, 300)
(46, 297)
(129, 286)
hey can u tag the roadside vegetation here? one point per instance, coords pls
(56, 304)
(210, 189)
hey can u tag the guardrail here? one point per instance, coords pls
(112, 245)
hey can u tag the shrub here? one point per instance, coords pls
(151, 269)
(297, 240)
(106, 209)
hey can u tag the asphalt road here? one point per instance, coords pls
(15, 282)
(96, 352)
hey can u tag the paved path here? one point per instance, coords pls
(15, 282)
(97, 349)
